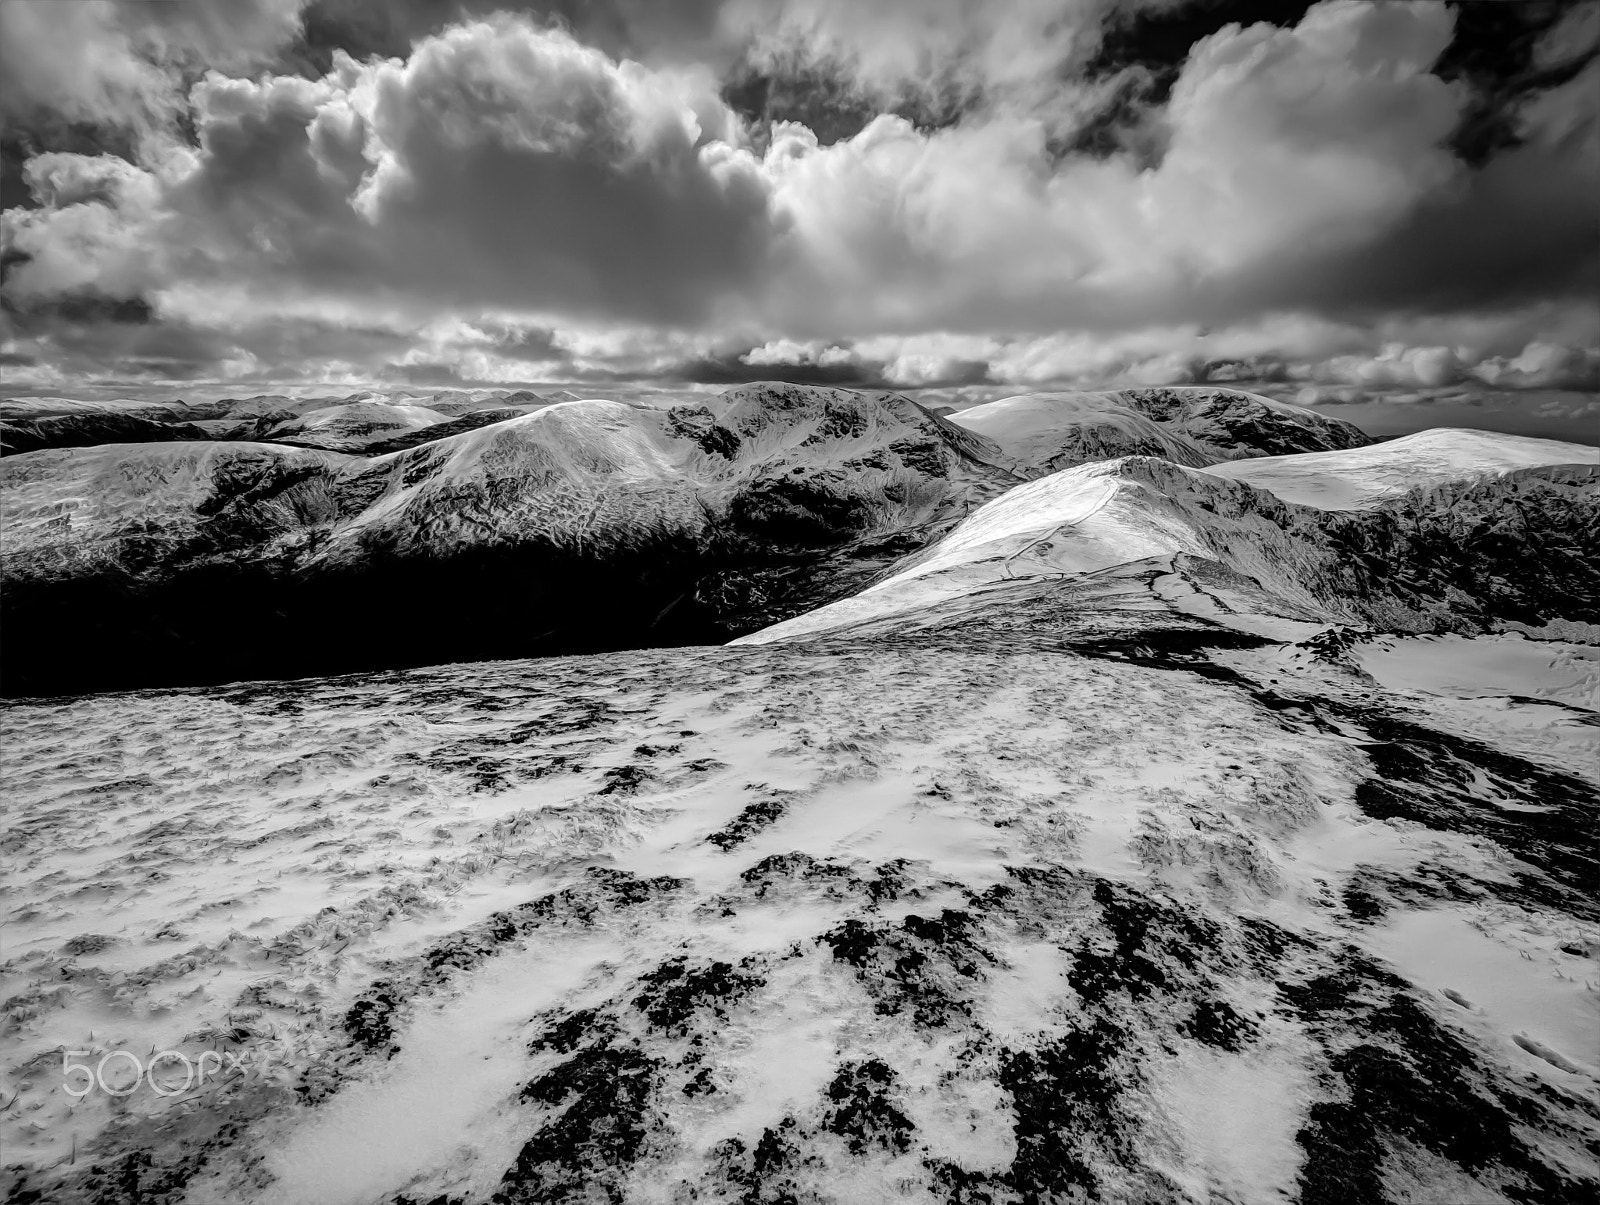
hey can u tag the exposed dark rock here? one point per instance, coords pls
(675, 991)
(862, 1110)
(605, 1094)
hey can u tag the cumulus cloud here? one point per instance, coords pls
(90, 235)
(1495, 350)
(508, 196)
(1290, 153)
(500, 165)
(1543, 366)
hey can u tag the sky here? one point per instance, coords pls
(1343, 203)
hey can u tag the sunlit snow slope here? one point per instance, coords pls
(1492, 529)
(1360, 477)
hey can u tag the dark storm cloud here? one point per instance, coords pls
(640, 29)
(1506, 54)
(734, 370)
(1521, 229)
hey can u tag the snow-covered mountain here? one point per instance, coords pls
(582, 524)
(1508, 531)
(1045, 432)
(1239, 423)
(592, 524)
(1359, 478)
(353, 426)
(356, 422)
(79, 430)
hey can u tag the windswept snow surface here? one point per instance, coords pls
(1557, 670)
(1361, 477)
(1064, 897)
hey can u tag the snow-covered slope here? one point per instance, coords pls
(586, 523)
(351, 423)
(13, 409)
(1045, 432)
(1452, 554)
(73, 513)
(1361, 477)
(86, 430)
(1063, 898)
(349, 428)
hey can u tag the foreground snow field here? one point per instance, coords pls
(1067, 895)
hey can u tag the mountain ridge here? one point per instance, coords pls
(581, 525)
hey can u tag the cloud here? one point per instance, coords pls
(1543, 366)
(90, 236)
(1573, 37)
(1493, 352)
(509, 194)
(955, 54)
(122, 63)
(500, 165)
(1288, 152)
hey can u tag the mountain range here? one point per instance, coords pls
(307, 536)
(1163, 796)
